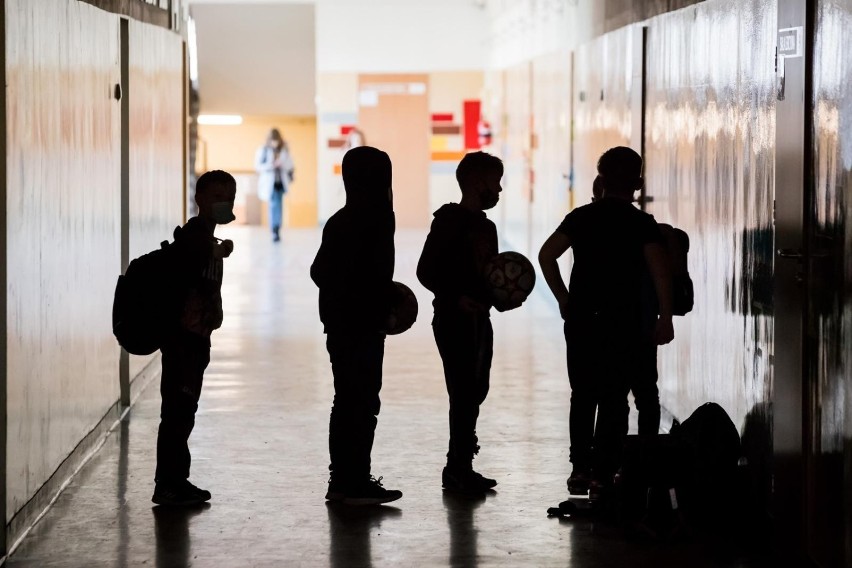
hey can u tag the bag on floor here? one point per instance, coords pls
(715, 445)
(651, 483)
(146, 300)
(677, 245)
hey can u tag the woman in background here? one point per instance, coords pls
(274, 166)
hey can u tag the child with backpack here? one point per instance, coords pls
(186, 346)
(606, 338)
(460, 243)
(354, 272)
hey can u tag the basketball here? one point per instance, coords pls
(511, 277)
(403, 311)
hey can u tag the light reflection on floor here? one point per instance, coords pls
(260, 446)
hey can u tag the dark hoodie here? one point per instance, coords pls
(354, 265)
(459, 245)
(200, 273)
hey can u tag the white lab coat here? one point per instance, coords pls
(263, 164)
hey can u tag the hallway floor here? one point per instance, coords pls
(260, 446)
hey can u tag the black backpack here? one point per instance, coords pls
(677, 244)
(715, 447)
(147, 300)
(672, 482)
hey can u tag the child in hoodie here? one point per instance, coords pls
(460, 242)
(354, 271)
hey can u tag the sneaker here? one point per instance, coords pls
(335, 491)
(598, 489)
(465, 481)
(578, 483)
(369, 492)
(180, 494)
(483, 481)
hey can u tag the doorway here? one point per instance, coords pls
(393, 113)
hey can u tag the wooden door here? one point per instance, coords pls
(393, 113)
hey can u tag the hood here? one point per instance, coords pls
(454, 211)
(366, 177)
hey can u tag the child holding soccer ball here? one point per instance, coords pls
(461, 241)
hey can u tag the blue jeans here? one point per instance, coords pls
(276, 209)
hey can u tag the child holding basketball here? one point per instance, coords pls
(460, 243)
(353, 270)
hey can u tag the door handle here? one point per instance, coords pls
(799, 255)
(791, 253)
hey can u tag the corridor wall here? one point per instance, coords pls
(63, 211)
(156, 139)
(829, 209)
(512, 214)
(709, 167)
(551, 144)
(603, 102)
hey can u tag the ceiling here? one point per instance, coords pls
(256, 58)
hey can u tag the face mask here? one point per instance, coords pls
(489, 199)
(222, 212)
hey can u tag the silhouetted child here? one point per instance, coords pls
(597, 188)
(605, 334)
(186, 349)
(646, 396)
(354, 270)
(460, 242)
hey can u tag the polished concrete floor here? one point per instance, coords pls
(260, 446)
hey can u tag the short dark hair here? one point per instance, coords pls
(621, 169)
(214, 178)
(477, 165)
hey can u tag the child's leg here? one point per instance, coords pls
(583, 370)
(484, 334)
(356, 362)
(185, 357)
(645, 392)
(610, 427)
(458, 337)
(617, 364)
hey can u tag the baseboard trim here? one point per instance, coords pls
(40, 503)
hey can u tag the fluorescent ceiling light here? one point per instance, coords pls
(220, 119)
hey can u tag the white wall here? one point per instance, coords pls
(63, 205)
(522, 30)
(400, 36)
(63, 216)
(256, 59)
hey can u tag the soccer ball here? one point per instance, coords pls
(403, 311)
(511, 277)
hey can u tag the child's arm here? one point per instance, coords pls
(658, 265)
(325, 269)
(429, 271)
(554, 247)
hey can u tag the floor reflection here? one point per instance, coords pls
(351, 529)
(171, 529)
(463, 532)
